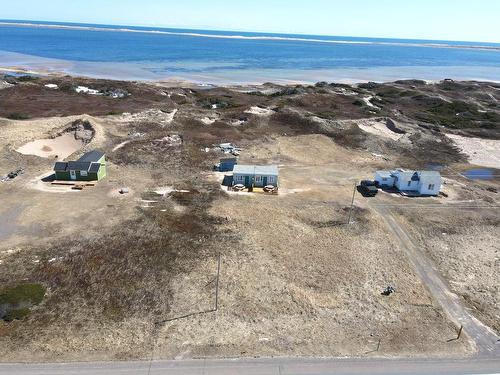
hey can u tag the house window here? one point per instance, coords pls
(83, 173)
(239, 178)
(384, 179)
(258, 178)
(431, 186)
(270, 179)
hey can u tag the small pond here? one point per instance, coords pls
(480, 174)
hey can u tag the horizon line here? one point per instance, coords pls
(271, 35)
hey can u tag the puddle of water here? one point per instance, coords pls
(60, 147)
(479, 174)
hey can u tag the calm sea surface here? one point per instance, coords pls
(233, 57)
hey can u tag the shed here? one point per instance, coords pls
(227, 164)
(256, 175)
(90, 167)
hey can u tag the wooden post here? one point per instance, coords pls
(460, 332)
(352, 203)
(378, 345)
(217, 285)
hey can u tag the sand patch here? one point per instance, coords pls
(119, 146)
(86, 90)
(368, 102)
(259, 111)
(43, 183)
(62, 144)
(60, 147)
(152, 115)
(484, 152)
(208, 120)
(379, 128)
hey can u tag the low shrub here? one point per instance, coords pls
(27, 78)
(15, 302)
(18, 116)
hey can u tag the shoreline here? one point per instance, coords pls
(228, 78)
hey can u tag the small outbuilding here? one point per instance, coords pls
(255, 175)
(227, 164)
(90, 167)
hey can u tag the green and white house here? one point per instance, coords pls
(255, 175)
(90, 167)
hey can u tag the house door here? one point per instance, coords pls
(72, 175)
(247, 181)
(264, 181)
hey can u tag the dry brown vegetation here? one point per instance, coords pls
(295, 279)
(463, 244)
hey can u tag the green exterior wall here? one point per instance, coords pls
(62, 176)
(102, 171)
(250, 179)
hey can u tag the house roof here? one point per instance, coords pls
(86, 163)
(60, 166)
(244, 169)
(415, 175)
(78, 166)
(256, 169)
(94, 167)
(91, 156)
(266, 169)
(384, 173)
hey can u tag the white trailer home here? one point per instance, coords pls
(421, 182)
(255, 175)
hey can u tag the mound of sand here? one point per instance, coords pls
(60, 147)
(63, 144)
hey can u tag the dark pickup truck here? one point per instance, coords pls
(368, 188)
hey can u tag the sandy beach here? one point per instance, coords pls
(169, 73)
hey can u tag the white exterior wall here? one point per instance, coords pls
(383, 180)
(402, 182)
(425, 183)
(428, 183)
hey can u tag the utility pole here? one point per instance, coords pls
(352, 203)
(217, 285)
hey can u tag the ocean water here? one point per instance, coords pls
(139, 53)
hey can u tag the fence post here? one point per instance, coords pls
(217, 285)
